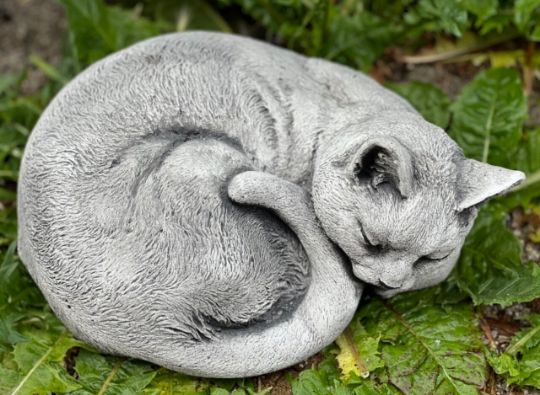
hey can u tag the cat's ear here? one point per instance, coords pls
(384, 160)
(479, 181)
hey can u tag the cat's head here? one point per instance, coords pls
(398, 197)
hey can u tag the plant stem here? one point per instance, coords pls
(436, 57)
(487, 141)
(111, 376)
(39, 362)
(528, 70)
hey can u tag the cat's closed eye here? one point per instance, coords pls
(374, 248)
(431, 259)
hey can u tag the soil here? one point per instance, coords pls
(36, 27)
(30, 27)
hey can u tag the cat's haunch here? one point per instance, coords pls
(204, 201)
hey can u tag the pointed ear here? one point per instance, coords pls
(382, 160)
(479, 181)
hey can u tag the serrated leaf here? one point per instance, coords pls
(526, 157)
(525, 369)
(8, 335)
(497, 23)
(358, 351)
(16, 290)
(490, 269)
(99, 30)
(525, 17)
(168, 382)
(528, 338)
(439, 15)
(358, 40)
(488, 114)
(427, 348)
(483, 9)
(111, 376)
(39, 368)
(36, 366)
(316, 382)
(429, 100)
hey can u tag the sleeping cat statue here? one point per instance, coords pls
(214, 204)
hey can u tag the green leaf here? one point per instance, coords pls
(8, 334)
(526, 339)
(439, 15)
(199, 15)
(429, 100)
(99, 30)
(110, 375)
(8, 195)
(89, 21)
(527, 154)
(490, 269)
(345, 33)
(40, 371)
(427, 348)
(488, 115)
(526, 19)
(359, 351)
(483, 9)
(498, 22)
(316, 382)
(525, 369)
(6, 80)
(48, 69)
(36, 365)
(167, 382)
(526, 157)
(16, 291)
(7, 269)
(358, 40)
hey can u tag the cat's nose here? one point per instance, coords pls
(396, 275)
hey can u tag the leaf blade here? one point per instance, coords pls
(488, 116)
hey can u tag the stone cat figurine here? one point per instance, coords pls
(208, 202)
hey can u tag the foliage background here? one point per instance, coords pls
(478, 332)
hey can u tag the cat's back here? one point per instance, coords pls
(125, 223)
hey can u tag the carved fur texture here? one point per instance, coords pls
(171, 199)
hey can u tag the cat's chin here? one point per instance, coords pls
(387, 293)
